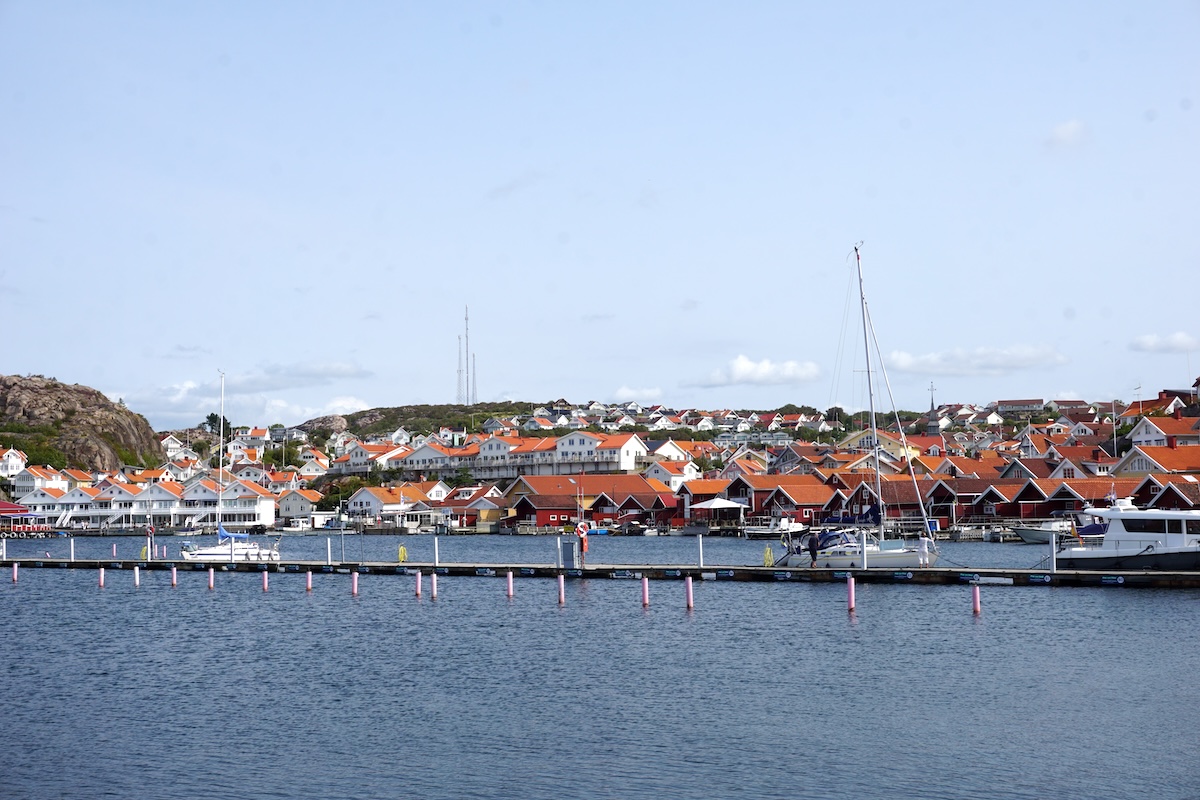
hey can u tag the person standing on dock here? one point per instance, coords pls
(813, 545)
(923, 550)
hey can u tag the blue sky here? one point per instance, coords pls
(653, 201)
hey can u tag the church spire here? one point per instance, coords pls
(932, 428)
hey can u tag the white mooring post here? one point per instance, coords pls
(700, 544)
(1053, 552)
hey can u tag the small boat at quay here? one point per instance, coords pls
(1138, 539)
(230, 548)
(772, 527)
(1068, 523)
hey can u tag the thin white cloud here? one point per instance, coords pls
(976, 361)
(279, 377)
(627, 393)
(275, 409)
(1067, 134)
(741, 371)
(1178, 342)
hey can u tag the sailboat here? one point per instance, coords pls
(858, 548)
(230, 547)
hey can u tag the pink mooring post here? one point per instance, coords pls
(433, 586)
(137, 577)
(354, 583)
(510, 584)
(418, 583)
(264, 580)
(14, 572)
(210, 577)
(102, 577)
(975, 599)
(645, 592)
(849, 592)
(687, 583)
(562, 590)
(114, 549)
(174, 577)
(308, 581)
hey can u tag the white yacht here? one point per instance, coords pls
(1138, 539)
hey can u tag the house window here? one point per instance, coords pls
(553, 517)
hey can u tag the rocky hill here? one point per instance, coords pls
(68, 425)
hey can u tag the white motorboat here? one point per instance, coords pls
(1138, 539)
(1067, 524)
(772, 527)
(230, 548)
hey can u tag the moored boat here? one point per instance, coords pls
(1068, 524)
(857, 548)
(230, 547)
(772, 527)
(1138, 539)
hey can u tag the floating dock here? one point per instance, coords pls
(925, 576)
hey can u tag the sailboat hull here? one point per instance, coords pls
(888, 558)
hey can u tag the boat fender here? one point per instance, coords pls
(143, 555)
(402, 554)
(768, 557)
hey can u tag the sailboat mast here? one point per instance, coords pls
(862, 298)
(221, 457)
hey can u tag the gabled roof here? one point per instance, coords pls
(1173, 426)
(804, 494)
(702, 486)
(767, 482)
(1171, 459)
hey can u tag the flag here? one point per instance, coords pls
(1075, 533)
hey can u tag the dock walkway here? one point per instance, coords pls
(925, 576)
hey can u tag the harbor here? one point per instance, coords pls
(478, 694)
(547, 558)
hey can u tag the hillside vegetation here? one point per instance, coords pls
(68, 425)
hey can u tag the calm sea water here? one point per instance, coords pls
(763, 690)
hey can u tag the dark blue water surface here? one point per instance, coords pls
(763, 690)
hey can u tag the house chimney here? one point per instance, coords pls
(1171, 442)
(1178, 413)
